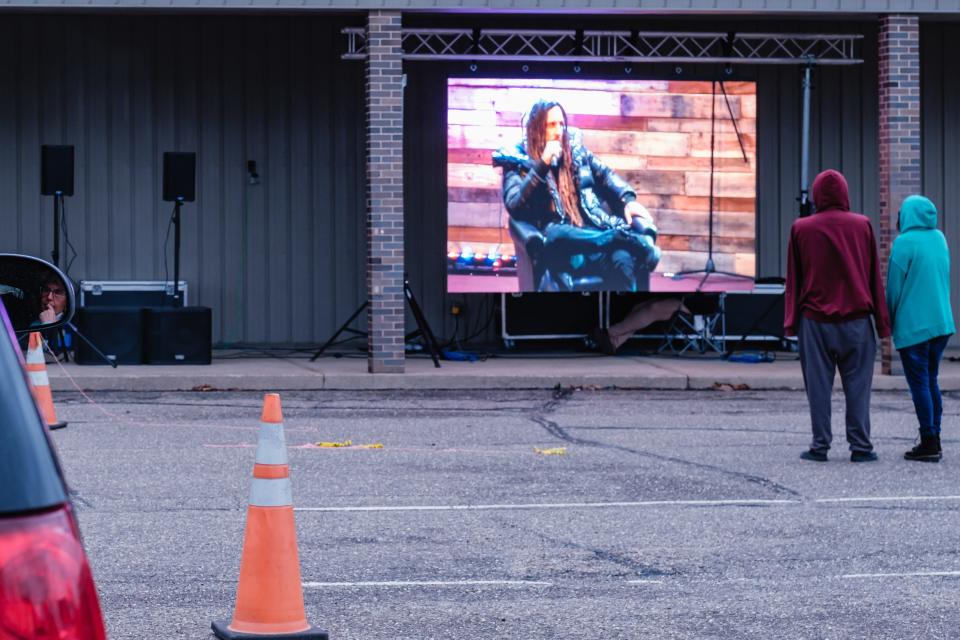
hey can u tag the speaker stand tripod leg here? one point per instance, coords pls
(77, 333)
(423, 329)
(422, 325)
(344, 327)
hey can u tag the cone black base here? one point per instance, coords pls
(58, 425)
(221, 631)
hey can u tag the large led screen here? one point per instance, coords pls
(587, 185)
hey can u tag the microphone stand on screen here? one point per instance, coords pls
(710, 267)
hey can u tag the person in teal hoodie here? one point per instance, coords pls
(918, 298)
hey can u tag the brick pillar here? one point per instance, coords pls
(899, 131)
(384, 69)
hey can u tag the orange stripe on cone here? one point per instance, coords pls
(271, 471)
(40, 383)
(269, 591)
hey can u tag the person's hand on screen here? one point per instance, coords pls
(552, 151)
(635, 209)
(640, 219)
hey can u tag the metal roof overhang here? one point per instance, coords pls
(673, 7)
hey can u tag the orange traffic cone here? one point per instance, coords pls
(269, 592)
(40, 382)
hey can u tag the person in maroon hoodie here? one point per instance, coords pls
(833, 287)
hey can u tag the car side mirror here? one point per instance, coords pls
(36, 294)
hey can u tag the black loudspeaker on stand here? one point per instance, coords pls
(179, 186)
(423, 329)
(56, 179)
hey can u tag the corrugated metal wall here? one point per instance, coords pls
(280, 261)
(843, 136)
(940, 138)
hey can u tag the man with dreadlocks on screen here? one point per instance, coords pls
(554, 183)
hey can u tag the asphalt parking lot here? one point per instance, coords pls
(524, 514)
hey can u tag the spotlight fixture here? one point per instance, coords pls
(473, 67)
(678, 70)
(525, 68)
(628, 69)
(577, 68)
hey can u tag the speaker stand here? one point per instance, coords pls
(57, 208)
(176, 251)
(55, 256)
(423, 328)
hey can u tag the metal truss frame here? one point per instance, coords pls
(518, 45)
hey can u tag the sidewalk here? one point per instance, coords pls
(229, 372)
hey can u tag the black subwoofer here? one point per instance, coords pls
(116, 331)
(754, 314)
(551, 314)
(177, 336)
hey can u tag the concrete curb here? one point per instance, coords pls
(640, 373)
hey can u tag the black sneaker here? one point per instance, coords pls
(927, 451)
(814, 456)
(863, 456)
(601, 338)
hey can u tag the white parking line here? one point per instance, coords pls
(916, 574)
(541, 584)
(552, 505)
(888, 499)
(428, 583)
(645, 503)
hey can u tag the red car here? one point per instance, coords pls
(46, 588)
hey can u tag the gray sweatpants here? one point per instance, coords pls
(824, 348)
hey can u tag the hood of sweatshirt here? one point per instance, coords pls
(830, 192)
(917, 212)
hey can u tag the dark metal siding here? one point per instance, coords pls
(279, 262)
(940, 138)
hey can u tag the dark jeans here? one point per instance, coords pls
(614, 256)
(921, 365)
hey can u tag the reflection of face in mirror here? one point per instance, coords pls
(34, 293)
(53, 301)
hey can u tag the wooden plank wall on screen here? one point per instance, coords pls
(656, 134)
